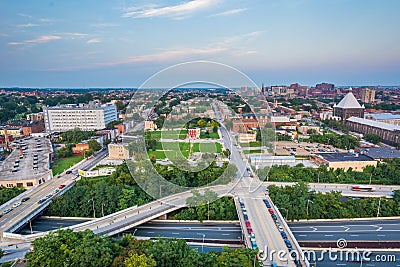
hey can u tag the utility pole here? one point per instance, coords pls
(208, 212)
(308, 202)
(94, 211)
(370, 178)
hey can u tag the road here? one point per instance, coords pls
(367, 230)
(380, 190)
(43, 224)
(220, 231)
(251, 190)
(29, 206)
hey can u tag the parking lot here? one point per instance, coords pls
(303, 148)
(28, 164)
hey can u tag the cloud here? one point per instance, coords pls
(176, 11)
(104, 25)
(41, 39)
(170, 55)
(229, 12)
(28, 25)
(242, 37)
(25, 15)
(93, 40)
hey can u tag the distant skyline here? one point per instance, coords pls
(122, 43)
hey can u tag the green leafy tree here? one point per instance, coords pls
(136, 260)
(373, 138)
(94, 145)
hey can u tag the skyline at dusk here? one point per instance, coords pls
(122, 43)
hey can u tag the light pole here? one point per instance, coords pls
(134, 232)
(308, 203)
(94, 211)
(208, 210)
(379, 208)
(202, 245)
(287, 213)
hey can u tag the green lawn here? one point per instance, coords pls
(62, 164)
(169, 134)
(207, 147)
(211, 135)
(170, 149)
(251, 144)
(253, 151)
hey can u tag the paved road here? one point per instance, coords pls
(29, 206)
(47, 224)
(380, 190)
(222, 231)
(370, 230)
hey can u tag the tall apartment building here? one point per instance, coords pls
(367, 95)
(87, 117)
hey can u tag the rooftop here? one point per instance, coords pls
(349, 101)
(376, 124)
(337, 157)
(382, 116)
(380, 152)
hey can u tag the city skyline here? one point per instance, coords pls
(122, 43)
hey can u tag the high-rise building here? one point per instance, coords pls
(87, 117)
(367, 95)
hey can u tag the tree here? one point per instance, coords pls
(94, 145)
(202, 123)
(136, 260)
(373, 138)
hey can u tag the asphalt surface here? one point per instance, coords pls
(26, 208)
(211, 231)
(48, 224)
(371, 230)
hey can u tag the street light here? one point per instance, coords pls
(94, 211)
(379, 208)
(308, 203)
(202, 245)
(134, 232)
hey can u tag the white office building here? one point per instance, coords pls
(87, 117)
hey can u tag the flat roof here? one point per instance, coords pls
(376, 124)
(380, 152)
(338, 157)
(383, 116)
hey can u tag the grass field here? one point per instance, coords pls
(212, 135)
(62, 164)
(169, 134)
(251, 144)
(170, 149)
(207, 147)
(253, 151)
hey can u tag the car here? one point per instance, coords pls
(68, 172)
(61, 186)
(277, 222)
(41, 200)
(274, 216)
(283, 234)
(7, 210)
(244, 210)
(268, 205)
(280, 228)
(249, 230)
(288, 244)
(247, 223)
(56, 190)
(25, 199)
(254, 245)
(49, 196)
(17, 204)
(297, 262)
(1, 215)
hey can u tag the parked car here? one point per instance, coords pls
(270, 211)
(277, 222)
(274, 216)
(280, 228)
(249, 230)
(288, 244)
(25, 199)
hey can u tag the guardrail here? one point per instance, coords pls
(241, 220)
(289, 232)
(19, 197)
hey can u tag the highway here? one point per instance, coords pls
(368, 230)
(380, 190)
(26, 208)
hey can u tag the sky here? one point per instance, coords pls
(96, 43)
